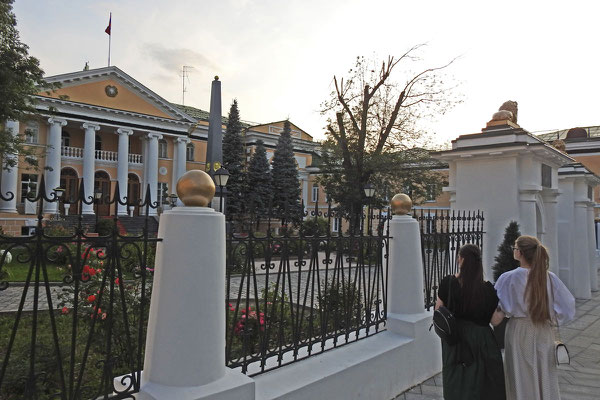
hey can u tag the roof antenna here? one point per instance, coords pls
(185, 70)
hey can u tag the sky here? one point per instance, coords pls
(278, 57)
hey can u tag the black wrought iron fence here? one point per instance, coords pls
(293, 292)
(83, 337)
(442, 234)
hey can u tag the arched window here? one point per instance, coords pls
(32, 130)
(162, 148)
(189, 152)
(98, 142)
(65, 139)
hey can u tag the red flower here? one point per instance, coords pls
(117, 281)
(91, 298)
(65, 310)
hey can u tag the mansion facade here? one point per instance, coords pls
(104, 128)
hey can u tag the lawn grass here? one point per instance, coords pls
(17, 272)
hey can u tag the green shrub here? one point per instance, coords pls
(315, 226)
(105, 226)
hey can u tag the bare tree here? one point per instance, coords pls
(373, 132)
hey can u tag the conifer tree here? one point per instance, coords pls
(233, 160)
(286, 186)
(504, 260)
(258, 182)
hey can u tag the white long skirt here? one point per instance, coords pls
(529, 361)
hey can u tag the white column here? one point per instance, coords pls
(177, 364)
(144, 180)
(550, 198)
(53, 161)
(123, 167)
(592, 247)
(179, 164)
(152, 162)
(582, 288)
(10, 176)
(406, 314)
(89, 165)
(405, 275)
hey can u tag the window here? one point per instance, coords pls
(189, 152)
(65, 139)
(546, 176)
(32, 132)
(98, 142)
(162, 148)
(29, 184)
(336, 225)
(590, 193)
(163, 193)
(315, 193)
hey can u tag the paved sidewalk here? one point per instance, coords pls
(578, 381)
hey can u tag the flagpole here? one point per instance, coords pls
(109, 31)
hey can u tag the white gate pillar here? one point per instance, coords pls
(592, 247)
(185, 345)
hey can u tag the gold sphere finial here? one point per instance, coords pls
(401, 204)
(195, 188)
(216, 77)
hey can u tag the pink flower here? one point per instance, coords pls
(65, 310)
(103, 315)
(117, 281)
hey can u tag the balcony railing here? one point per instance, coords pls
(102, 155)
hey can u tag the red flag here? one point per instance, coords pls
(107, 30)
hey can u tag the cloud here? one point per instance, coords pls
(172, 59)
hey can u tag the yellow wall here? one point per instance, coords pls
(94, 93)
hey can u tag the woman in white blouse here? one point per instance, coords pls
(532, 302)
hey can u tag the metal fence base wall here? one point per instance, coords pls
(379, 367)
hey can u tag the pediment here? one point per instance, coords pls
(112, 88)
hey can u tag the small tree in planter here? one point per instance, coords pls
(504, 263)
(504, 260)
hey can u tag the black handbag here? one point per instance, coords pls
(444, 322)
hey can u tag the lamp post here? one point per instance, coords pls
(58, 193)
(369, 192)
(221, 177)
(97, 197)
(173, 200)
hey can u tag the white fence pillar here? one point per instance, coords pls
(406, 314)
(185, 346)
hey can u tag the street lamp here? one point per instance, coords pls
(58, 192)
(97, 197)
(173, 200)
(369, 192)
(221, 178)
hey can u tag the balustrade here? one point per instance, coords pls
(103, 155)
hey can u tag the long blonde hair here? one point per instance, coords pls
(536, 293)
